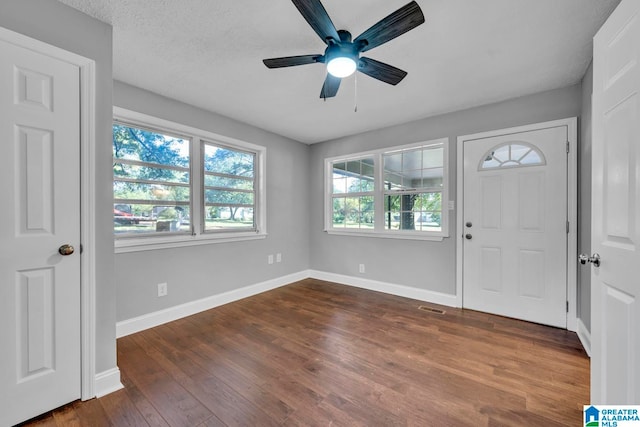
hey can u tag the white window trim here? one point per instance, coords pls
(149, 242)
(378, 195)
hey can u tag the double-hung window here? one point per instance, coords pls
(397, 192)
(175, 185)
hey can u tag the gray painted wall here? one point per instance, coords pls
(64, 27)
(294, 191)
(584, 202)
(420, 264)
(201, 271)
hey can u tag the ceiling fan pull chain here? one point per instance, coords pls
(355, 93)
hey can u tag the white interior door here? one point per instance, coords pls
(515, 225)
(40, 192)
(615, 310)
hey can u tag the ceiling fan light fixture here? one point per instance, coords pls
(341, 66)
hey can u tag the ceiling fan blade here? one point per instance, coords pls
(318, 18)
(330, 86)
(399, 22)
(290, 61)
(381, 71)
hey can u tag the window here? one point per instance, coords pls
(353, 194)
(175, 186)
(396, 192)
(229, 188)
(151, 181)
(512, 154)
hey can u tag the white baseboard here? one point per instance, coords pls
(107, 382)
(388, 288)
(585, 337)
(137, 324)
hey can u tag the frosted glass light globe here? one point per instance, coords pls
(341, 66)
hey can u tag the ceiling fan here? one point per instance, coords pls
(342, 54)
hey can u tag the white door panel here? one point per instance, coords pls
(515, 215)
(40, 190)
(615, 311)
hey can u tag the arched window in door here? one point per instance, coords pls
(512, 154)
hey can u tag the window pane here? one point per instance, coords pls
(501, 154)
(147, 146)
(226, 173)
(151, 175)
(226, 161)
(355, 176)
(338, 212)
(531, 158)
(393, 162)
(339, 183)
(353, 212)
(433, 158)
(414, 212)
(412, 160)
(414, 169)
(151, 192)
(149, 218)
(519, 151)
(137, 172)
(221, 218)
(226, 197)
(226, 182)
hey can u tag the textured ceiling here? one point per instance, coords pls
(468, 53)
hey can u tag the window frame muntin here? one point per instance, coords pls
(379, 194)
(173, 240)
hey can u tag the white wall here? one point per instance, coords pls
(197, 272)
(64, 27)
(429, 266)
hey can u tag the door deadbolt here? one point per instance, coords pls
(593, 259)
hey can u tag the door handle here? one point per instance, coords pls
(593, 259)
(468, 236)
(65, 250)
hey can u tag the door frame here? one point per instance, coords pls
(87, 226)
(572, 207)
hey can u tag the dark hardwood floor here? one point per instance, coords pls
(321, 354)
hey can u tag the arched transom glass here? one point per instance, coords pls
(513, 154)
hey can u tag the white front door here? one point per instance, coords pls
(40, 193)
(515, 224)
(615, 231)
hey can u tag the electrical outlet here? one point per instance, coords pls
(278, 257)
(270, 259)
(162, 289)
(361, 268)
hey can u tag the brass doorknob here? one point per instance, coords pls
(65, 250)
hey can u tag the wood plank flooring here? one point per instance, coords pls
(315, 353)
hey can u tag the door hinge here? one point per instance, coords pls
(568, 147)
(567, 306)
(568, 227)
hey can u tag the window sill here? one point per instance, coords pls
(125, 245)
(385, 235)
